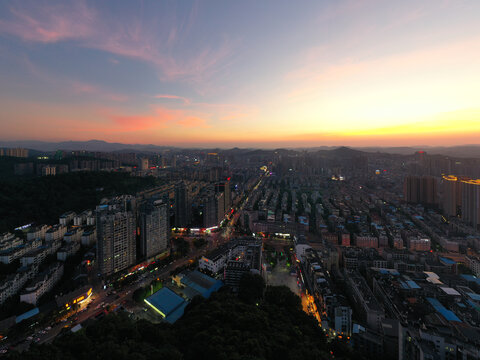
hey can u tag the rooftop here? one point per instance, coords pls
(168, 304)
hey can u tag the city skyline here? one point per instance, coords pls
(227, 74)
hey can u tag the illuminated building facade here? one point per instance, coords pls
(461, 196)
(471, 202)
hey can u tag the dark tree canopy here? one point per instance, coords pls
(44, 199)
(223, 327)
(251, 288)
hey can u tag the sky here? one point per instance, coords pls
(241, 73)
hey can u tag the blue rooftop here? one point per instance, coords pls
(177, 314)
(474, 296)
(447, 314)
(388, 272)
(201, 283)
(447, 261)
(27, 315)
(412, 284)
(472, 304)
(471, 278)
(167, 303)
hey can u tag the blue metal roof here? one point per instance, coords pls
(471, 278)
(412, 284)
(177, 314)
(27, 315)
(165, 301)
(201, 283)
(472, 304)
(474, 296)
(447, 261)
(447, 314)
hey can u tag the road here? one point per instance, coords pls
(101, 298)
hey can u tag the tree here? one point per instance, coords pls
(251, 288)
(199, 242)
(182, 247)
(281, 296)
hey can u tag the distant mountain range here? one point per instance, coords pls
(466, 151)
(90, 145)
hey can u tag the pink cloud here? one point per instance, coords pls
(50, 24)
(135, 122)
(153, 43)
(173, 97)
(154, 119)
(193, 122)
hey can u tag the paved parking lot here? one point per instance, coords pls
(280, 275)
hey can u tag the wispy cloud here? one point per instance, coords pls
(84, 88)
(49, 24)
(69, 86)
(315, 74)
(173, 97)
(154, 42)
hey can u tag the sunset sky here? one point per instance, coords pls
(241, 73)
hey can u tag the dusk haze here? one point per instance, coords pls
(240, 179)
(241, 73)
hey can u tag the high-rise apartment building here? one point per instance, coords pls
(471, 202)
(143, 164)
(420, 190)
(116, 235)
(220, 206)
(224, 195)
(182, 207)
(210, 213)
(17, 152)
(154, 228)
(451, 195)
(461, 196)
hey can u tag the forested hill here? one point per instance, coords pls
(223, 327)
(44, 199)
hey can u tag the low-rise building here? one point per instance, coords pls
(89, 237)
(37, 232)
(474, 264)
(55, 233)
(37, 256)
(12, 285)
(42, 283)
(73, 235)
(10, 255)
(67, 250)
(66, 218)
